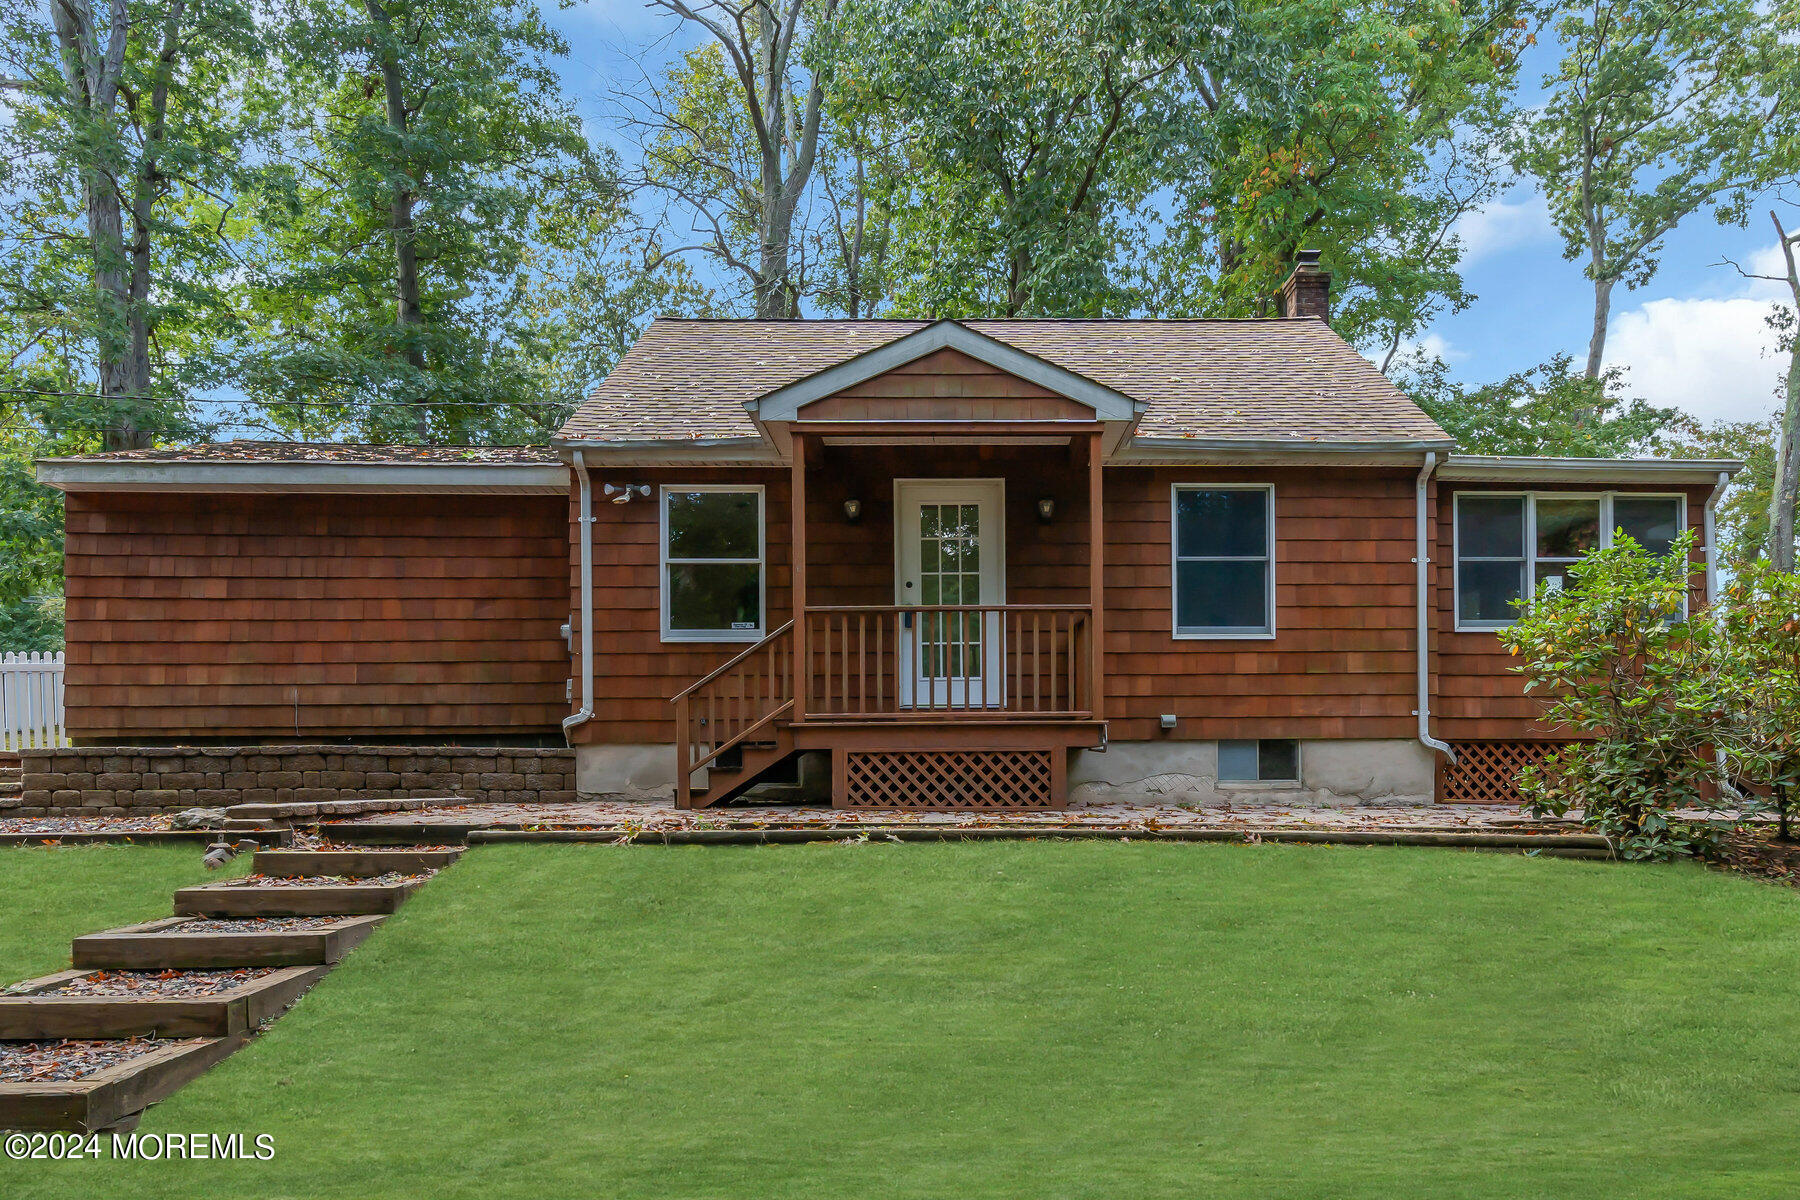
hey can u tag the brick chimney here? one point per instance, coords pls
(1307, 292)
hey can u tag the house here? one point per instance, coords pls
(983, 562)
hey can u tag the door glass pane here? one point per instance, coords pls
(1651, 521)
(1221, 596)
(1227, 523)
(1567, 528)
(1490, 526)
(712, 524)
(1486, 590)
(950, 573)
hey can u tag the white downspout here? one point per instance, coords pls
(1710, 523)
(1422, 567)
(585, 488)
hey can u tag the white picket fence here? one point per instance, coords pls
(31, 700)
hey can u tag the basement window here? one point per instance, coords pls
(1259, 760)
(712, 563)
(1508, 544)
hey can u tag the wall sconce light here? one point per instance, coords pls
(1046, 509)
(853, 510)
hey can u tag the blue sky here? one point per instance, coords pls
(1693, 337)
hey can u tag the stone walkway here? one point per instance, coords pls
(658, 816)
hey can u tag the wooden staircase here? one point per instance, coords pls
(731, 725)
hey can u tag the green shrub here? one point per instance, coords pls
(1617, 663)
(1758, 669)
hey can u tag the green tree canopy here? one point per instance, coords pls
(428, 152)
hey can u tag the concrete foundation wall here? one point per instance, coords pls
(1385, 771)
(641, 772)
(117, 780)
(1337, 772)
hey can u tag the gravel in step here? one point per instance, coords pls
(388, 880)
(253, 924)
(60, 1062)
(171, 984)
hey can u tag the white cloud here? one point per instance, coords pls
(1504, 225)
(1715, 358)
(1432, 345)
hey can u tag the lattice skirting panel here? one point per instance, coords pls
(952, 779)
(1488, 772)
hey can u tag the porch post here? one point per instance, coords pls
(1096, 580)
(797, 574)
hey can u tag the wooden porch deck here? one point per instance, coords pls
(919, 706)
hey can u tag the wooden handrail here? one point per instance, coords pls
(743, 696)
(729, 663)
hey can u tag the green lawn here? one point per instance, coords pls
(1025, 1020)
(49, 895)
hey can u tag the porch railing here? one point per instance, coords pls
(926, 662)
(746, 695)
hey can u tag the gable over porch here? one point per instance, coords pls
(942, 642)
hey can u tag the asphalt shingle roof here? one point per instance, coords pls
(1240, 379)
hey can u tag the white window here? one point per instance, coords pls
(1259, 760)
(1510, 543)
(712, 563)
(1224, 560)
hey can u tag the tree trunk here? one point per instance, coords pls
(409, 312)
(1786, 488)
(1602, 314)
(92, 72)
(1018, 292)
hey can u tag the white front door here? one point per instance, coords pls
(950, 550)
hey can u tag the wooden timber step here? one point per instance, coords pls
(289, 811)
(235, 898)
(149, 837)
(26, 1014)
(165, 943)
(411, 833)
(351, 863)
(111, 1097)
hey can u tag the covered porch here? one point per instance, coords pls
(943, 645)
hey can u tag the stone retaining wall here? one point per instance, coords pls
(118, 780)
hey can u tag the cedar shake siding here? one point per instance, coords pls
(224, 618)
(1478, 697)
(946, 385)
(1340, 666)
(1341, 663)
(635, 671)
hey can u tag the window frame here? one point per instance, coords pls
(1268, 631)
(1607, 526)
(1259, 782)
(761, 560)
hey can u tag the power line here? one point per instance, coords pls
(278, 404)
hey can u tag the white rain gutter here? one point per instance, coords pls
(1422, 567)
(1711, 527)
(585, 488)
